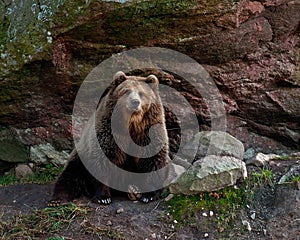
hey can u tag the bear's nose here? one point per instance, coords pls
(135, 103)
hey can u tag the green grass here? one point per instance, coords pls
(288, 158)
(41, 222)
(226, 203)
(294, 179)
(41, 174)
(223, 203)
(8, 178)
(52, 223)
(263, 176)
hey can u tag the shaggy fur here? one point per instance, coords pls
(138, 106)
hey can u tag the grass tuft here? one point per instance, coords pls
(288, 158)
(294, 179)
(51, 223)
(263, 176)
(42, 222)
(41, 174)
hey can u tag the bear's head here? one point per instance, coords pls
(135, 95)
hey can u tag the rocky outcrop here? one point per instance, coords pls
(22, 146)
(250, 48)
(12, 149)
(210, 173)
(293, 172)
(45, 153)
(261, 159)
(216, 163)
(213, 143)
(23, 171)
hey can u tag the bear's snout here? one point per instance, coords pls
(135, 104)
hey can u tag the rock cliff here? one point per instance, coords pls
(250, 48)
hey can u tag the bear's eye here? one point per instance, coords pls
(141, 94)
(127, 92)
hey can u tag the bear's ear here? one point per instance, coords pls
(153, 80)
(119, 77)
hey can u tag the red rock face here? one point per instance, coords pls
(250, 48)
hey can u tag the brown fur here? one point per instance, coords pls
(139, 107)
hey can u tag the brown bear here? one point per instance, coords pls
(128, 119)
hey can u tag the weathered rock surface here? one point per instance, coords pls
(294, 171)
(12, 149)
(45, 153)
(213, 143)
(22, 171)
(177, 171)
(209, 174)
(250, 48)
(20, 146)
(261, 159)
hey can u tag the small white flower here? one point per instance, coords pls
(49, 39)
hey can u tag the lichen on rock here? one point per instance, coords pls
(24, 32)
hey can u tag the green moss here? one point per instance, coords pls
(223, 203)
(147, 20)
(132, 24)
(45, 174)
(4, 24)
(24, 32)
(69, 15)
(9, 94)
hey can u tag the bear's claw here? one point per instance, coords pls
(146, 199)
(104, 201)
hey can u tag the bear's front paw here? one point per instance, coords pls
(133, 193)
(103, 200)
(102, 195)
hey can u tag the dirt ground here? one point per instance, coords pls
(274, 213)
